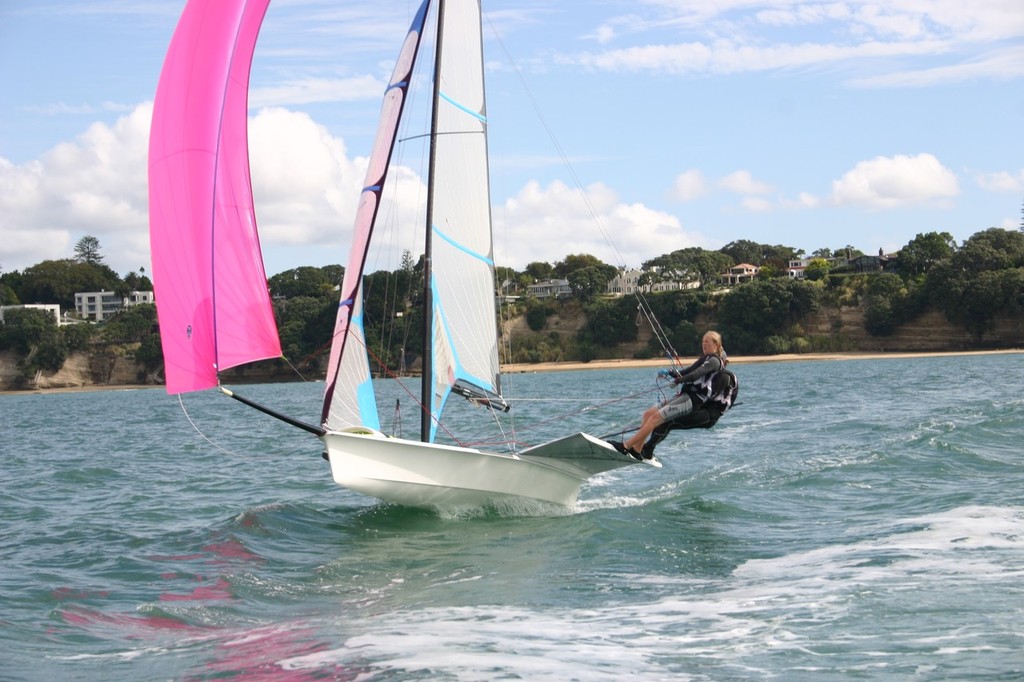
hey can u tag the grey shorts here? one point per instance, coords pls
(676, 407)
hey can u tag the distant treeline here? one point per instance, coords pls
(972, 284)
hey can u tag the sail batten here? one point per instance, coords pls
(479, 256)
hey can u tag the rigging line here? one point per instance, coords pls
(662, 339)
(554, 140)
(587, 401)
(294, 368)
(201, 434)
(658, 331)
(561, 417)
(507, 440)
(392, 375)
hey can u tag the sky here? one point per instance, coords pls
(625, 129)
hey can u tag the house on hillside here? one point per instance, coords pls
(797, 268)
(860, 264)
(627, 282)
(737, 274)
(550, 288)
(99, 306)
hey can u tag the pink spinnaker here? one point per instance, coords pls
(210, 284)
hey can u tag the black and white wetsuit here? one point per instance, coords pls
(697, 387)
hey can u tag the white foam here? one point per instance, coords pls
(767, 607)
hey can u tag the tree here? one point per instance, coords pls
(991, 249)
(986, 295)
(579, 261)
(754, 311)
(34, 334)
(505, 279)
(743, 251)
(304, 324)
(334, 273)
(683, 337)
(587, 283)
(540, 271)
(587, 275)
(57, 281)
(884, 296)
(686, 265)
(302, 281)
(7, 295)
(87, 250)
(924, 251)
(609, 323)
(131, 325)
(846, 253)
(746, 251)
(150, 352)
(137, 281)
(78, 336)
(817, 269)
(537, 312)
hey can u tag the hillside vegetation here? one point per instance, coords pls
(934, 296)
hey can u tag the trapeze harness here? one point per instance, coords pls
(712, 394)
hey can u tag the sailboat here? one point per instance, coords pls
(214, 308)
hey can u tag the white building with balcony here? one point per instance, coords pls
(100, 306)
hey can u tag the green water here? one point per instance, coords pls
(849, 520)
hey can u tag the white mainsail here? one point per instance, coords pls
(464, 334)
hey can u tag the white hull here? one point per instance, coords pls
(444, 476)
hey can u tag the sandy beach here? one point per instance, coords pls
(787, 357)
(655, 363)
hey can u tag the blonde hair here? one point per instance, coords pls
(716, 338)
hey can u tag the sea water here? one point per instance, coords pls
(858, 519)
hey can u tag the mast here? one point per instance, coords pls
(426, 375)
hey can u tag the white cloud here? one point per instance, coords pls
(756, 204)
(619, 234)
(303, 183)
(892, 182)
(689, 185)
(305, 187)
(803, 200)
(316, 90)
(95, 186)
(1002, 181)
(742, 182)
(604, 34)
(941, 40)
(1001, 65)
(730, 57)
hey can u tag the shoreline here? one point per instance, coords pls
(514, 368)
(744, 359)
